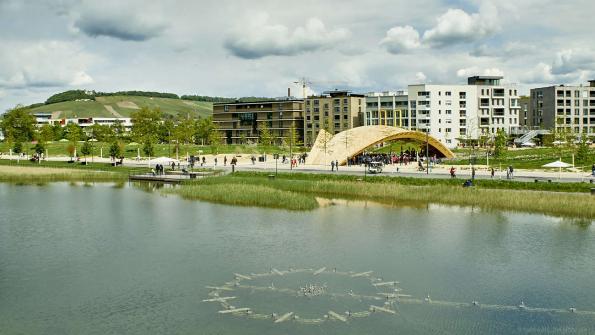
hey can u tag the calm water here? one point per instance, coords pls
(109, 260)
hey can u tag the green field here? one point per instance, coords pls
(531, 158)
(131, 150)
(124, 106)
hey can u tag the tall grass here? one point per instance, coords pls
(245, 195)
(557, 204)
(479, 183)
(37, 175)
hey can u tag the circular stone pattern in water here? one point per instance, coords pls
(307, 296)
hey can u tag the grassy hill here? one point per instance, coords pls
(123, 106)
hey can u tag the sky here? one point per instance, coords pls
(261, 47)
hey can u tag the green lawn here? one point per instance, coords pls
(130, 151)
(531, 158)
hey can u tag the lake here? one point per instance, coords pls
(109, 259)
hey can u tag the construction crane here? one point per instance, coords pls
(304, 82)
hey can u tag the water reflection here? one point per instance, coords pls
(111, 259)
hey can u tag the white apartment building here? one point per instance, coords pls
(387, 109)
(456, 112)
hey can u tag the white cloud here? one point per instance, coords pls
(257, 38)
(43, 64)
(476, 71)
(457, 26)
(117, 20)
(572, 60)
(401, 40)
(420, 77)
(541, 73)
(507, 50)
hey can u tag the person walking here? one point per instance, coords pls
(332, 165)
(215, 161)
(452, 172)
(593, 170)
(511, 172)
(492, 173)
(473, 173)
(337, 165)
(224, 160)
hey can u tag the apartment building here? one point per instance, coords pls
(525, 115)
(334, 111)
(242, 121)
(452, 113)
(387, 109)
(566, 107)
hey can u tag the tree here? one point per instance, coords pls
(148, 148)
(243, 138)
(46, 133)
(582, 153)
(39, 149)
(117, 130)
(115, 150)
(215, 139)
(293, 137)
(203, 128)
(101, 132)
(18, 125)
(500, 143)
(71, 150)
(17, 148)
(58, 132)
(325, 137)
(266, 138)
(165, 131)
(184, 131)
(74, 133)
(145, 125)
(86, 150)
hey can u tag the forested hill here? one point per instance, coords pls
(80, 103)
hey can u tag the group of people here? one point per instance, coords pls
(335, 165)
(159, 170)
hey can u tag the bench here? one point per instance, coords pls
(271, 176)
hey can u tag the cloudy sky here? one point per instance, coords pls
(260, 47)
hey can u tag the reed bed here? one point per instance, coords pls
(240, 194)
(36, 175)
(558, 204)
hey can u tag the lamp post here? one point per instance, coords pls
(427, 152)
(168, 143)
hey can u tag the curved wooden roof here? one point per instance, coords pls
(354, 141)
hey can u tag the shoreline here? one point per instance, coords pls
(298, 191)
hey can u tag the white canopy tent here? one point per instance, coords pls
(558, 164)
(166, 161)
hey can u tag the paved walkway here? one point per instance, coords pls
(442, 171)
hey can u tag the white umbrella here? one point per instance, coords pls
(163, 161)
(557, 164)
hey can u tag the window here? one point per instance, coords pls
(448, 94)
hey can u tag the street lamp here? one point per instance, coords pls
(427, 152)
